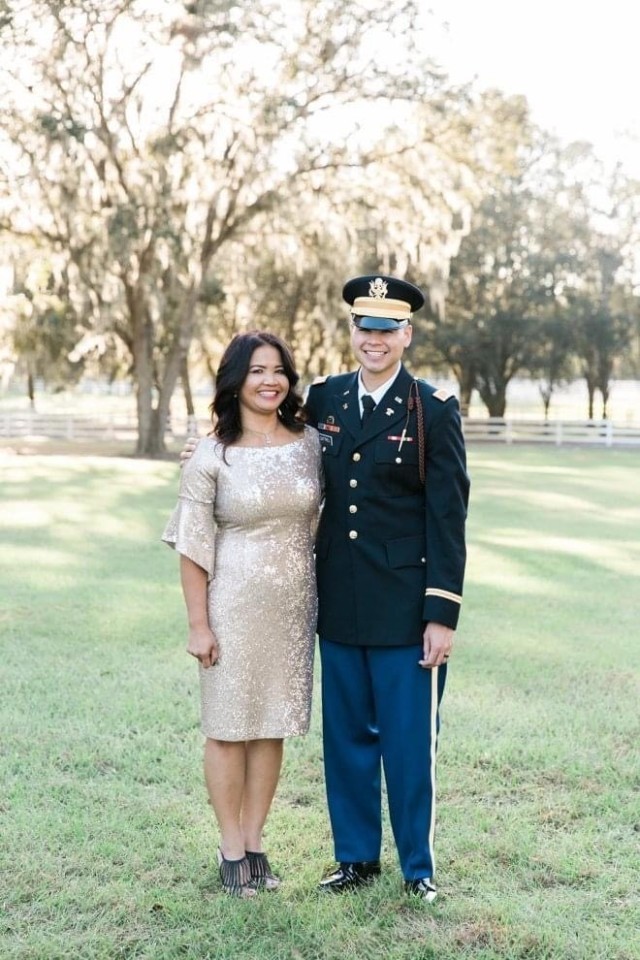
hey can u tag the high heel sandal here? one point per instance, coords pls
(262, 877)
(235, 876)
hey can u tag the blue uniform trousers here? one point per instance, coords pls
(380, 707)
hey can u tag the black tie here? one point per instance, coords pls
(368, 406)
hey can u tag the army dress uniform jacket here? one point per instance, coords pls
(390, 550)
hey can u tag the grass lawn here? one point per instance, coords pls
(106, 840)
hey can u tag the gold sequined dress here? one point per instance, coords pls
(250, 523)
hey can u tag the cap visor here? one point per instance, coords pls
(379, 323)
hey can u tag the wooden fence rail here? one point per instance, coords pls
(15, 425)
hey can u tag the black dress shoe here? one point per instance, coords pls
(424, 889)
(348, 876)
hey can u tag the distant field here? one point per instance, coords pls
(107, 843)
(569, 402)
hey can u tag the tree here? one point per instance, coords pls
(496, 297)
(42, 328)
(499, 133)
(529, 251)
(604, 323)
(599, 289)
(553, 360)
(149, 140)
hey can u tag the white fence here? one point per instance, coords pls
(84, 427)
(599, 432)
(481, 430)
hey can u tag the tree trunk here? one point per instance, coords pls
(148, 444)
(31, 389)
(145, 410)
(186, 387)
(154, 442)
(152, 426)
(153, 418)
(467, 381)
(497, 406)
(546, 394)
(494, 399)
(188, 396)
(466, 377)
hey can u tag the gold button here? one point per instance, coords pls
(423, 559)
(353, 508)
(353, 534)
(398, 459)
(324, 449)
(356, 457)
(353, 483)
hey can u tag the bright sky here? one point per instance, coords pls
(576, 61)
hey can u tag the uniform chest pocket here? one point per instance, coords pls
(330, 443)
(395, 452)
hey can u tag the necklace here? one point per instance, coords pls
(267, 437)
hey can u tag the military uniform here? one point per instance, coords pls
(390, 549)
(390, 556)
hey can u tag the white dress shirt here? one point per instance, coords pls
(377, 394)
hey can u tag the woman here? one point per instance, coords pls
(244, 525)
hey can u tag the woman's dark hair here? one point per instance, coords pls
(232, 372)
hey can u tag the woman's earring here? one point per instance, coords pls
(235, 395)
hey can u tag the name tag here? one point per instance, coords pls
(404, 439)
(326, 439)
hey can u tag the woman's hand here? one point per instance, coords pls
(203, 645)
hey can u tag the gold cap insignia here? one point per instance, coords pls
(378, 288)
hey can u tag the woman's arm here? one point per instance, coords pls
(202, 643)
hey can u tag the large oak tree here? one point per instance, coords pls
(145, 139)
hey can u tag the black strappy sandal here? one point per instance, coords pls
(262, 877)
(235, 876)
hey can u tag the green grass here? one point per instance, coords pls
(106, 839)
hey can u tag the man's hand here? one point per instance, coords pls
(189, 446)
(437, 642)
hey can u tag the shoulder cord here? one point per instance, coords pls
(416, 400)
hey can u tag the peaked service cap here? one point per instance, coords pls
(381, 303)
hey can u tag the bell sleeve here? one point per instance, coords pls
(191, 529)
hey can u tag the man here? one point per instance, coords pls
(390, 563)
(390, 558)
